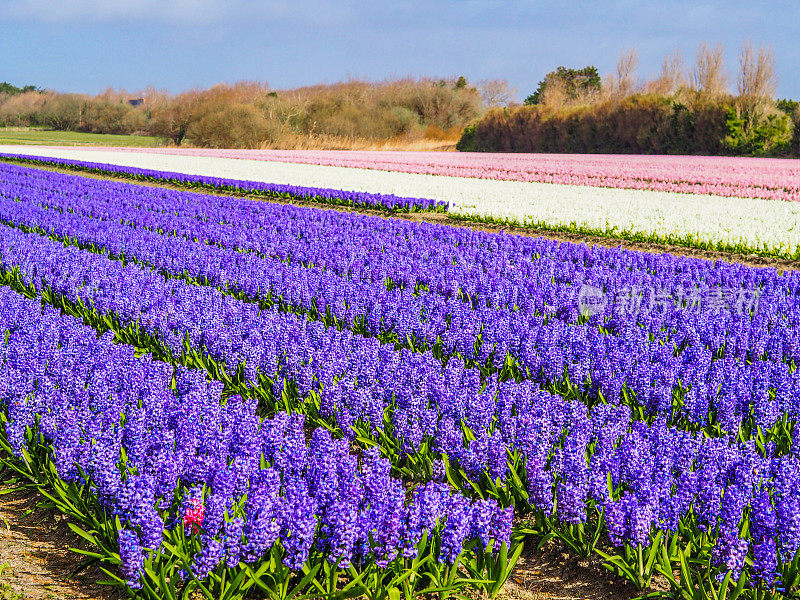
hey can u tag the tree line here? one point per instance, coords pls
(679, 111)
(252, 115)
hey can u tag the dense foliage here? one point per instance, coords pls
(11, 90)
(638, 124)
(247, 115)
(575, 83)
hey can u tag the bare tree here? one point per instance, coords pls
(627, 64)
(65, 111)
(23, 109)
(709, 73)
(673, 71)
(671, 78)
(172, 120)
(555, 94)
(607, 87)
(496, 92)
(757, 80)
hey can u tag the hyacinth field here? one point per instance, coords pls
(743, 206)
(770, 179)
(272, 397)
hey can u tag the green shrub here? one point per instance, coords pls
(769, 135)
(792, 109)
(576, 83)
(467, 141)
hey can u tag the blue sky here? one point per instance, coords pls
(83, 46)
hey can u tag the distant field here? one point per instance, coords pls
(741, 205)
(47, 137)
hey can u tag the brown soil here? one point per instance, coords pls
(551, 574)
(35, 553)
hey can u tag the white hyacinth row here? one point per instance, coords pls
(742, 224)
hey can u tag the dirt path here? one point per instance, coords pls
(551, 574)
(34, 551)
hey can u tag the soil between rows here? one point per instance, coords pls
(35, 554)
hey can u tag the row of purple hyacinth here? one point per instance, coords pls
(660, 477)
(357, 378)
(773, 331)
(271, 190)
(432, 410)
(658, 375)
(498, 270)
(422, 314)
(151, 453)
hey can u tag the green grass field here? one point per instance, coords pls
(46, 137)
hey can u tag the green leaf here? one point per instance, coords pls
(305, 581)
(86, 535)
(618, 565)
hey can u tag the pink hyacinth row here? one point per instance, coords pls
(771, 179)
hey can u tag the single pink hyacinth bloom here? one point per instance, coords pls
(194, 515)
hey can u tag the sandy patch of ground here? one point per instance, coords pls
(34, 552)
